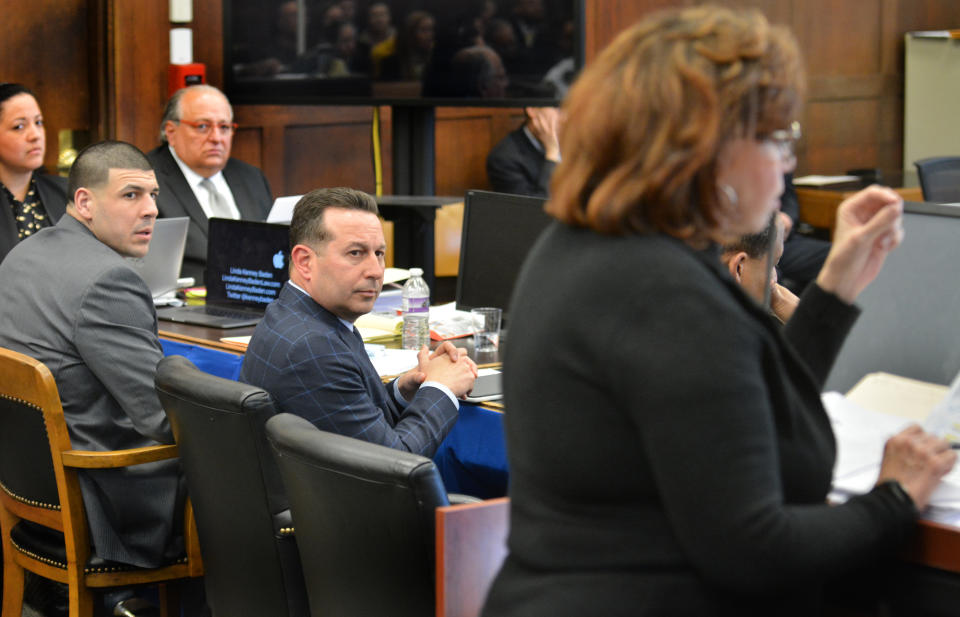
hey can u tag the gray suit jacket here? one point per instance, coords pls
(250, 190)
(74, 304)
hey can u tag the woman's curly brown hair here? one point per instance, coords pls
(646, 119)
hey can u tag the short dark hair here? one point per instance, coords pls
(172, 111)
(757, 245)
(306, 226)
(10, 90)
(474, 69)
(92, 167)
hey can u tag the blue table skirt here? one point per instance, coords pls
(472, 459)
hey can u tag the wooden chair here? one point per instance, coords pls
(42, 518)
(471, 546)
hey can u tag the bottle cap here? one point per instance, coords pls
(416, 271)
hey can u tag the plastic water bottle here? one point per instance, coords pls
(416, 311)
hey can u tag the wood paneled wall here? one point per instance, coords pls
(101, 65)
(44, 45)
(854, 56)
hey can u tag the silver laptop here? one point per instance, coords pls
(160, 267)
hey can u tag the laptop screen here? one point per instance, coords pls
(160, 267)
(246, 262)
(498, 232)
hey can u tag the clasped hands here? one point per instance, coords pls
(447, 365)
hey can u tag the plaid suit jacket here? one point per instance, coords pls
(314, 367)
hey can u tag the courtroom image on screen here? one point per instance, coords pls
(402, 50)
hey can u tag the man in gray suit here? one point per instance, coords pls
(69, 299)
(197, 177)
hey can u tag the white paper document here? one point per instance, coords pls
(391, 361)
(861, 435)
(815, 180)
(282, 209)
(944, 419)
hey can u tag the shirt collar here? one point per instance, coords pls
(346, 324)
(533, 140)
(192, 177)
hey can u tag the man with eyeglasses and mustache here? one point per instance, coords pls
(196, 174)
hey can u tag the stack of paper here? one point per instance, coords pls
(379, 327)
(861, 435)
(446, 322)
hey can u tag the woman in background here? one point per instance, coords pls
(29, 200)
(669, 452)
(414, 47)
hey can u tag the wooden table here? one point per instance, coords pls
(210, 338)
(204, 337)
(818, 205)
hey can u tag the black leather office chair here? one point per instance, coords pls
(940, 179)
(365, 520)
(246, 535)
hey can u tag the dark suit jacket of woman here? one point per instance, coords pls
(669, 452)
(53, 195)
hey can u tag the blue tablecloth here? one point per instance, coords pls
(219, 363)
(472, 459)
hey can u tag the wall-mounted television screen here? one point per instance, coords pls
(402, 52)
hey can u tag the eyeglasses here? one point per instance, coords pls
(227, 128)
(785, 140)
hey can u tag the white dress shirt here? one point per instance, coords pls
(203, 196)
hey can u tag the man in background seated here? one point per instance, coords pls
(307, 354)
(746, 258)
(803, 256)
(196, 174)
(523, 161)
(69, 299)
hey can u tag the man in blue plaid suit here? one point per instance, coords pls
(308, 355)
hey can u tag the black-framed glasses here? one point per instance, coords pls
(202, 127)
(786, 140)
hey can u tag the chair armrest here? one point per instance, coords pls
(457, 499)
(88, 459)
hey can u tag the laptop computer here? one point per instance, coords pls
(160, 267)
(487, 387)
(246, 268)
